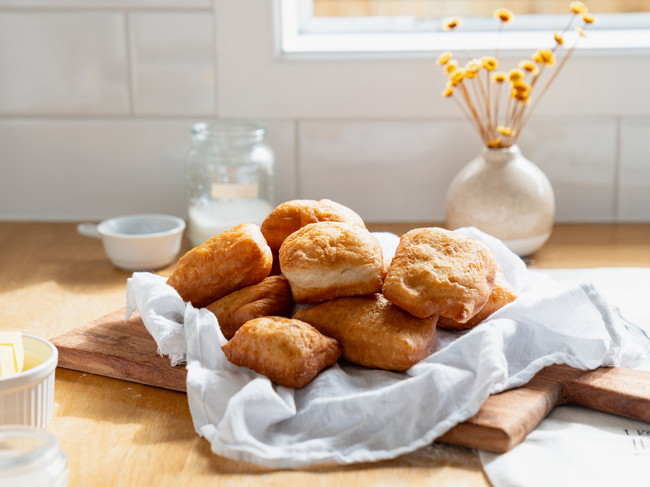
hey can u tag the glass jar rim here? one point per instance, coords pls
(228, 130)
(42, 445)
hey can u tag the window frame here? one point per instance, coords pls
(303, 33)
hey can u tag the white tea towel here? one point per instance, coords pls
(351, 414)
(575, 446)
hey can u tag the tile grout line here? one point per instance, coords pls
(129, 62)
(617, 169)
(296, 155)
(215, 62)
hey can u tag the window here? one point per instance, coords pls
(441, 8)
(412, 26)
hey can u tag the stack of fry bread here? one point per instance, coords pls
(358, 306)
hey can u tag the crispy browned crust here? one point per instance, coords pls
(437, 271)
(295, 214)
(271, 297)
(374, 332)
(502, 294)
(288, 351)
(234, 259)
(328, 260)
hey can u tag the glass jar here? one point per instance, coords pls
(31, 457)
(229, 178)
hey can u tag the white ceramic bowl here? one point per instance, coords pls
(28, 397)
(138, 242)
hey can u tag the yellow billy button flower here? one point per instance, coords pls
(448, 91)
(494, 143)
(451, 24)
(490, 63)
(457, 76)
(544, 56)
(499, 77)
(578, 7)
(472, 68)
(444, 58)
(522, 87)
(581, 31)
(451, 66)
(528, 66)
(558, 38)
(503, 130)
(515, 75)
(588, 18)
(504, 15)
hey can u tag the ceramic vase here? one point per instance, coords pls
(505, 195)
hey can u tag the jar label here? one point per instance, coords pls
(231, 191)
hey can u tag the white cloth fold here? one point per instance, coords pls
(351, 414)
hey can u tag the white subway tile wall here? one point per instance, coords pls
(63, 63)
(97, 100)
(634, 171)
(172, 59)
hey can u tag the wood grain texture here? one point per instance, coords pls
(114, 347)
(124, 433)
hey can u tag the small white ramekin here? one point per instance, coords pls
(28, 397)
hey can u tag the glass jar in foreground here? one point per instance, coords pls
(31, 457)
(229, 178)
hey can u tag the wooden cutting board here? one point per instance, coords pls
(113, 347)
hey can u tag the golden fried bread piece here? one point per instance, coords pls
(374, 332)
(233, 259)
(437, 271)
(288, 351)
(295, 214)
(271, 297)
(329, 260)
(502, 294)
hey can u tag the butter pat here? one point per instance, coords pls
(7, 364)
(13, 341)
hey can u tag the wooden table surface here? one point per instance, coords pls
(124, 434)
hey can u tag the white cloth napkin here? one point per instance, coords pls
(351, 414)
(572, 447)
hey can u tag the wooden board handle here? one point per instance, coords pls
(506, 419)
(621, 391)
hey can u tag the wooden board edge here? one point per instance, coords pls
(107, 365)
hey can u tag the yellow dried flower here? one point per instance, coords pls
(499, 77)
(503, 130)
(528, 66)
(472, 68)
(457, 76)
(494, 143)
(448, 91)
(490, 63)
(558, 38)
(519, 95)
(451, 24)
(588, 18)
(544, 56)
(578, 7)
(522, 87)
(515, 75)
(504, 15)
(444, 58)
(581, 31)
(451, 66)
